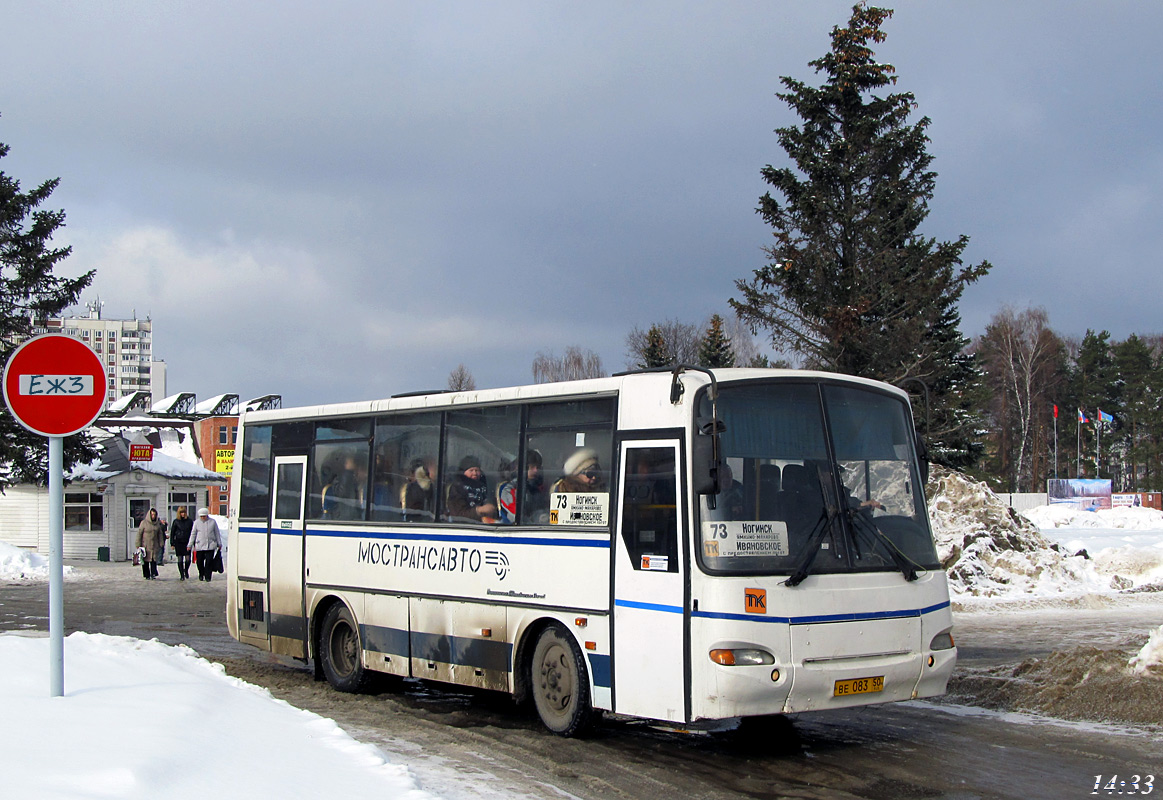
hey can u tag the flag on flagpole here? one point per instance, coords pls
(1104, 417)
(1055, 412)
(1081, 416)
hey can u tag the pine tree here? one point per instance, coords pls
(851, 285)
(29, 294)
(679, 344)
(1095, 385)
(1137, 372)
(715, 349)
(656, 353)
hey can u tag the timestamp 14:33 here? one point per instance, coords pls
(1114, 785)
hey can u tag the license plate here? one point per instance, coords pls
(859, 686)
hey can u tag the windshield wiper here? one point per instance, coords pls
(827, 514)
(862, 523)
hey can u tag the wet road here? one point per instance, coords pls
(464, 744)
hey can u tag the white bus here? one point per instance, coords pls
(678, 545)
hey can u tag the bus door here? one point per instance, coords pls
(650, 617)
(288, 618)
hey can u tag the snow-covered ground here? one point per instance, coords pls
(18, 564)
(145, 720)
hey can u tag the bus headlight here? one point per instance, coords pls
(741, 657)
(942, 641)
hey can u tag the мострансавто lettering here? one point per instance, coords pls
(428, 557)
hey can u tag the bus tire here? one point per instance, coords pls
(339, 650)
(560, 683)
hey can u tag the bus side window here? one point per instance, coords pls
(649, 510)
(404, 467)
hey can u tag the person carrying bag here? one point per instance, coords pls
(206, 540)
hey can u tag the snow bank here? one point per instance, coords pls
(145, 720)
(1151, 655)
(1068, 516)
(990, 551)
(19, 564)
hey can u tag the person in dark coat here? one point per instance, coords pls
(149, 539)
(180, 540)
(416, 494)
(468, 496)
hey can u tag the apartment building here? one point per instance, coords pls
(124, 345)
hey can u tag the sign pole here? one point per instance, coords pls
(56, 577)
(54, 386)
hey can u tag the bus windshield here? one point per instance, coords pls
(818, 478)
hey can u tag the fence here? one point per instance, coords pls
(1020, 501)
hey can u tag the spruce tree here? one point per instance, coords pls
(715, 349)
(1137, 369)
(29, 294)
(656, 353)
(1095, 384)
(851, 285)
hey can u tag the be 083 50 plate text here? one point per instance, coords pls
(858, 686)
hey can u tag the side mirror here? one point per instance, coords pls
(704, 465)
(923, 459)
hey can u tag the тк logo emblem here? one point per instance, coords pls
(498, 560)
(755, 601)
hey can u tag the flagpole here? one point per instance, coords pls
(1078, 446)
(1097, 441)
(1055, 442)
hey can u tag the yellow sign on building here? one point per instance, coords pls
(224, 460)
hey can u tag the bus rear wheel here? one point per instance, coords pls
(339, 650)
(560, 683)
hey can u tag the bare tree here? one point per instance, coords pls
(1020, 352)
(576, 364)
(461, 380)
(743, 344)
(682, 340)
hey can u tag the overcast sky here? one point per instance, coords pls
(343, 201)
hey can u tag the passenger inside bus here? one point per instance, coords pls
(583, 473)
(468, 494)
(730, 497)
(536, 499)
(416, 495)
(343, 495)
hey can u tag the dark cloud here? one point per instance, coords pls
(345, 203)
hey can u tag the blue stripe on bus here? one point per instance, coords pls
(805, 620)
(808, 620)
(648, 606)
(540, 541)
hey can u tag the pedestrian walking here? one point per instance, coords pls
(161, 542)
(180, 532)
(205, 540)
(149, 534)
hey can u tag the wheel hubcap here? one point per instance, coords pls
(556, 679)
(343, 648)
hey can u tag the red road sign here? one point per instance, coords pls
(54, 385)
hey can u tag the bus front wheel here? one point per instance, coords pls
(560, 683)
(339, 650)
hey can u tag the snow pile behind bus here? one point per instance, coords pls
(990, 551)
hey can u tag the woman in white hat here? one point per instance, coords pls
(583, 473)
(205, 539)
